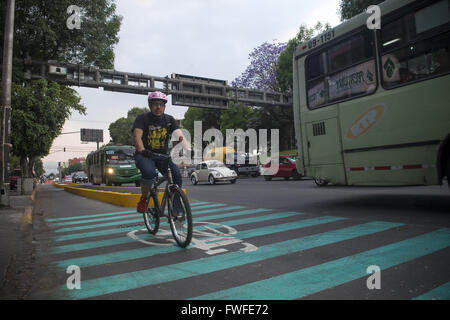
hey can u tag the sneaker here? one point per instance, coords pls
(142, 205)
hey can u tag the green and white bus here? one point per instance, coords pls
(372, 107)
(113, 165)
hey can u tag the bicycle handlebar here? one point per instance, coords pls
(150, 154)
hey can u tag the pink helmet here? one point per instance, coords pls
(157, 95)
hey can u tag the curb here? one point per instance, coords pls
(27, 216)
(116, 198)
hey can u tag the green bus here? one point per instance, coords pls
(372, 106)
(113, 165)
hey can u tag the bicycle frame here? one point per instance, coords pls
(169, 184)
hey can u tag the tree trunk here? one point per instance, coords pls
(30, 173)
(24, 168)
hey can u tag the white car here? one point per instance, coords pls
(212, 171)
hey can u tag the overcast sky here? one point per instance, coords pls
(205, 38)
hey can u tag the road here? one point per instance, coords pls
(254, 239)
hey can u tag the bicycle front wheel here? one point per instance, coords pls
(180, 217)
(151, 215)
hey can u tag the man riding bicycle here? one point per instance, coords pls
(151, 134)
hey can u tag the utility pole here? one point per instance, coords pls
(5, 106)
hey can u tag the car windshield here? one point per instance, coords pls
(292, 159)
(216, 164)
(121, 156)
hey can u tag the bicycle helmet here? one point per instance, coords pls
(157, 95)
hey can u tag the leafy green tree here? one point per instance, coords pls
(39, 109)
(79, 166)
(41, 31)
(39, 112)
(210, 119)
(235, 117)
(120, 130)
(39, 167)
(350, 8)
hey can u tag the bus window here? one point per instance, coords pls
(358, 48)
(120, 156)
(316, 66)
(316, 70)
(316, 93)
(432, 16)
(350, 71)
(407, 54)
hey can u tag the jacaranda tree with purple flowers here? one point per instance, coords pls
(271, 69)
(261, 74)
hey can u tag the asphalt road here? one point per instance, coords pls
(254, 240)
(415, 205)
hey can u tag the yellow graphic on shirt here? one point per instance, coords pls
(156, 137)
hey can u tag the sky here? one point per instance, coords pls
(204, 38)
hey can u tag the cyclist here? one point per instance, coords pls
(151, 134)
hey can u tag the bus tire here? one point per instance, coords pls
(320, 182)
(447, 170)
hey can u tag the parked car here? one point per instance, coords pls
(286, 169)
(212, 171)
(243, 165)
(67, 179)
(79, 176)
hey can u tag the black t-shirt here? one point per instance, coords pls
(157, 131)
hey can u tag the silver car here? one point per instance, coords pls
(212, 171)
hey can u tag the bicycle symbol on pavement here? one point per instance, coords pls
(207, 236)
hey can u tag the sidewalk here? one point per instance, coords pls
(15, 228)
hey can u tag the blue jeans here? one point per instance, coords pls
(148, 168)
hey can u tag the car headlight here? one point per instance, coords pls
(217, 174)
(110, 170)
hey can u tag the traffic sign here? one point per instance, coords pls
(91, 135)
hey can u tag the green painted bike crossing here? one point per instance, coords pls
(78, 236)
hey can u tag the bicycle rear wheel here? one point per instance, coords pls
(151, 215)
(180, 217)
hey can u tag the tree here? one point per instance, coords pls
(210, 119)
(39, 112)
(235, 117)
(120, 130)
(75, 167)
(261, 73)
(41, 33)
(350, 8)
(271, 69)
(39, 167)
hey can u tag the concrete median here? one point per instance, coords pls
(130, 198)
